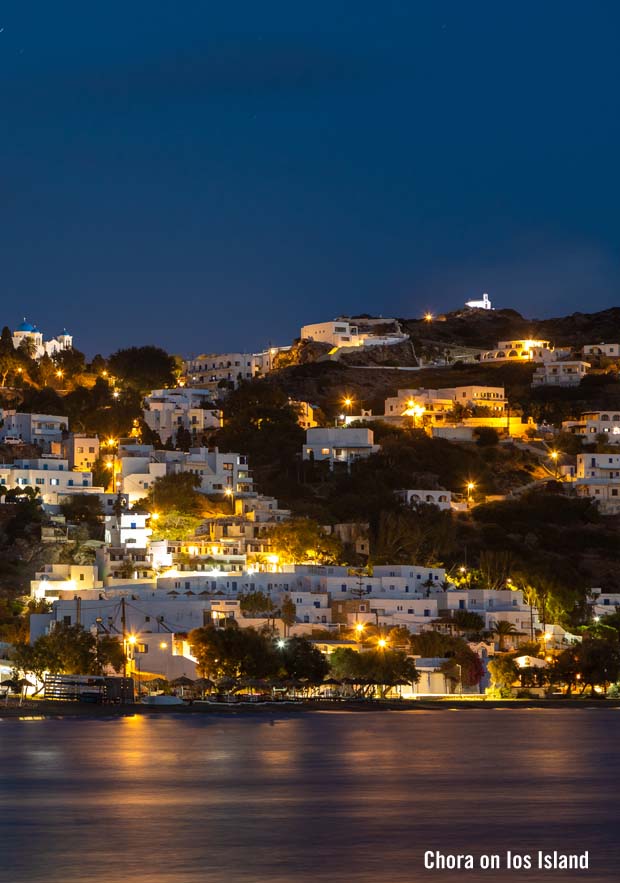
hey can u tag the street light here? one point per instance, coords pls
(382, 643)
(111, 443)
(470, 488)
(428, 317)
(555, 457)
(229, 492)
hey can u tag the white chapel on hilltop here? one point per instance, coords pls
(484, 304)
(26, 331)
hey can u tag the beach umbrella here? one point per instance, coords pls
(204, 683)
(331, 682)
(24, 682)
(226, 683)
(172, 592)
(183, 681)
(157, 682)
(10, 684)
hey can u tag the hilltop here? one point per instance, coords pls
(483, 328)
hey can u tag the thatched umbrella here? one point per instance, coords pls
(156, 683)
(10, 685)
(226, 684)
(182, 681)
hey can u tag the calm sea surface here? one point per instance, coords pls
(306, 797)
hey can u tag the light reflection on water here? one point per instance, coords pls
(308, 797)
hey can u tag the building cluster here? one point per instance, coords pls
(163, 610)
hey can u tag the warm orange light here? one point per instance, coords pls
(428, 317)
(155, 516)
(382, 643)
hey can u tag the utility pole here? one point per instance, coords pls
(124, 626)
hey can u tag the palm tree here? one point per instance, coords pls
(502, 628)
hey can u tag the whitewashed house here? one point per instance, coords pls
(338, 444)
(568, 372)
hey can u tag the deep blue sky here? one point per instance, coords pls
(211, 175)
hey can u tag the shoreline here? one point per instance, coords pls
(69, 709)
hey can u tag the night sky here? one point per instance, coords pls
(209, 176)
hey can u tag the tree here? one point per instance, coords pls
(468, 621)
(175, 525)
(82, 508)
(143, 368)
(69, 649)
(503, 671)
(259, 421)
(177, 492)
(382, 668)
(301, 539)
(288, 612)
(301, 659)
(598, 662)
(503, 628)
(462, 665)
(70, 361)
(256, 603)
(233, 652)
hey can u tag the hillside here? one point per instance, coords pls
(483, 328)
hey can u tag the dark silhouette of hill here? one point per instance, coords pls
(483, 328)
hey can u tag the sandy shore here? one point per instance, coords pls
(48, 708)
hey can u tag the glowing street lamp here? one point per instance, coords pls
(555, 456)
(359, 629)
(228, 492)
(470, 489)
(347, 404)
(428, 317)
(382, 643)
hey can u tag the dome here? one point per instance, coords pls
(26, 326)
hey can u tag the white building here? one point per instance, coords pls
(49, 476)
(343, 332)
(484, 304)
(168, 410)
(440, 498)
(339, 445)
(593, 423)
(219, 472)
(435, 403)
(523, 351)
(31, 334)
(492, 605)
(340, 332)
(598, 476)
(56, 581)
(42, 430)
(81, 451)
(220, 372)
(611, 350)
(565, 373)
